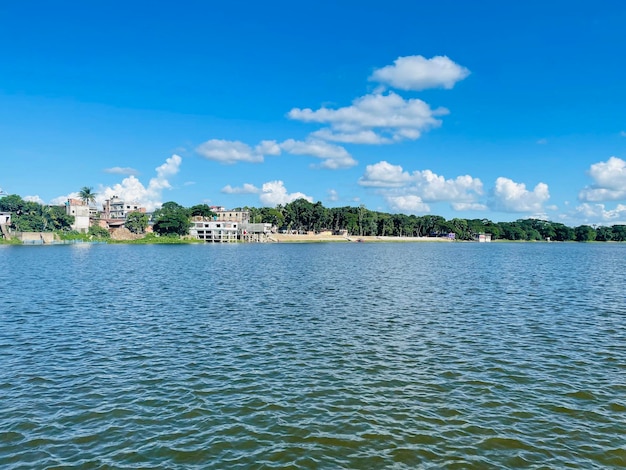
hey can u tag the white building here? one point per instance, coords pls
(80, 211)
(5, 221)
(210, 230)
(117, 208)
(5, 218)
(483, 237)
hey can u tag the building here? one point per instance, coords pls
(483, 237)
(80, 211)
(5, 221)
(5, 218)
(217, 231)
(115, 211)
(241, 217)
(259, 233)
(117, 208)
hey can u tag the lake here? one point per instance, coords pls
(337, 355)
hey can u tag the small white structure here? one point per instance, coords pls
(5, 221)
(80, 211)
(483, 237)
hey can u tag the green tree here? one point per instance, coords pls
(585, 233)
(604, 234)
(171, 219)
(98, 232)
(461, 229)
(202, 210)
(563, 233)
(12, 203)
(299, 214)
(136, 222)
(87, 195)
(619, 233)
(512, 231)
(58, 219)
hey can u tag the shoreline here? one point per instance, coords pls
(319, 238)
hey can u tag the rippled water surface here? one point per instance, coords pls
(419, 355)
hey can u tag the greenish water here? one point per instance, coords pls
(378, 355)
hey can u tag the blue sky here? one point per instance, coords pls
(492, 109)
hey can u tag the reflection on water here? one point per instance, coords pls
(313, 356)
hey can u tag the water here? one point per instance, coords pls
(418, 355)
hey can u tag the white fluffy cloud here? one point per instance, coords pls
(384, 175)
(333, 195)
(233, 151)
(375, 118)
(118, 170)
(433, 187)
(597, 213)
(428, 186)
(418, 73)
(132, 190)
(510, 196)
(247, 188)
(609, 181)
(274, 193)
(60, 200)
(333, 156)
(409, 203)
(469, 206)
(35, 198)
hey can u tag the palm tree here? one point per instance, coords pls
(87, 195)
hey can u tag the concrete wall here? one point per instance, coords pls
(35, 237)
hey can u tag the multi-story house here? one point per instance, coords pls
(80, 210)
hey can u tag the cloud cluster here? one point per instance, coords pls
(376, 118)
(233, 151)
(380, 117)
(133, 190)
(118, 170)
(274, 193)
(409, 203)
(411, 192)
(609, 181)
(35, 198)
(247, 188)
(270, 194)
(229, 152)
(333, 156)
(373, 119)
(509, 196)
(419, 73)
(598, 213)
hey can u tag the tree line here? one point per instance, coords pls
(303, 216)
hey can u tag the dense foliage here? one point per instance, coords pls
(302, 215)
(136, 222)
(171, 219)
(29, 216)
(202, 210)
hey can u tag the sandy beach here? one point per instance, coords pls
(326, 237)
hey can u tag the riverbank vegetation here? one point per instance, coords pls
(171, 223)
